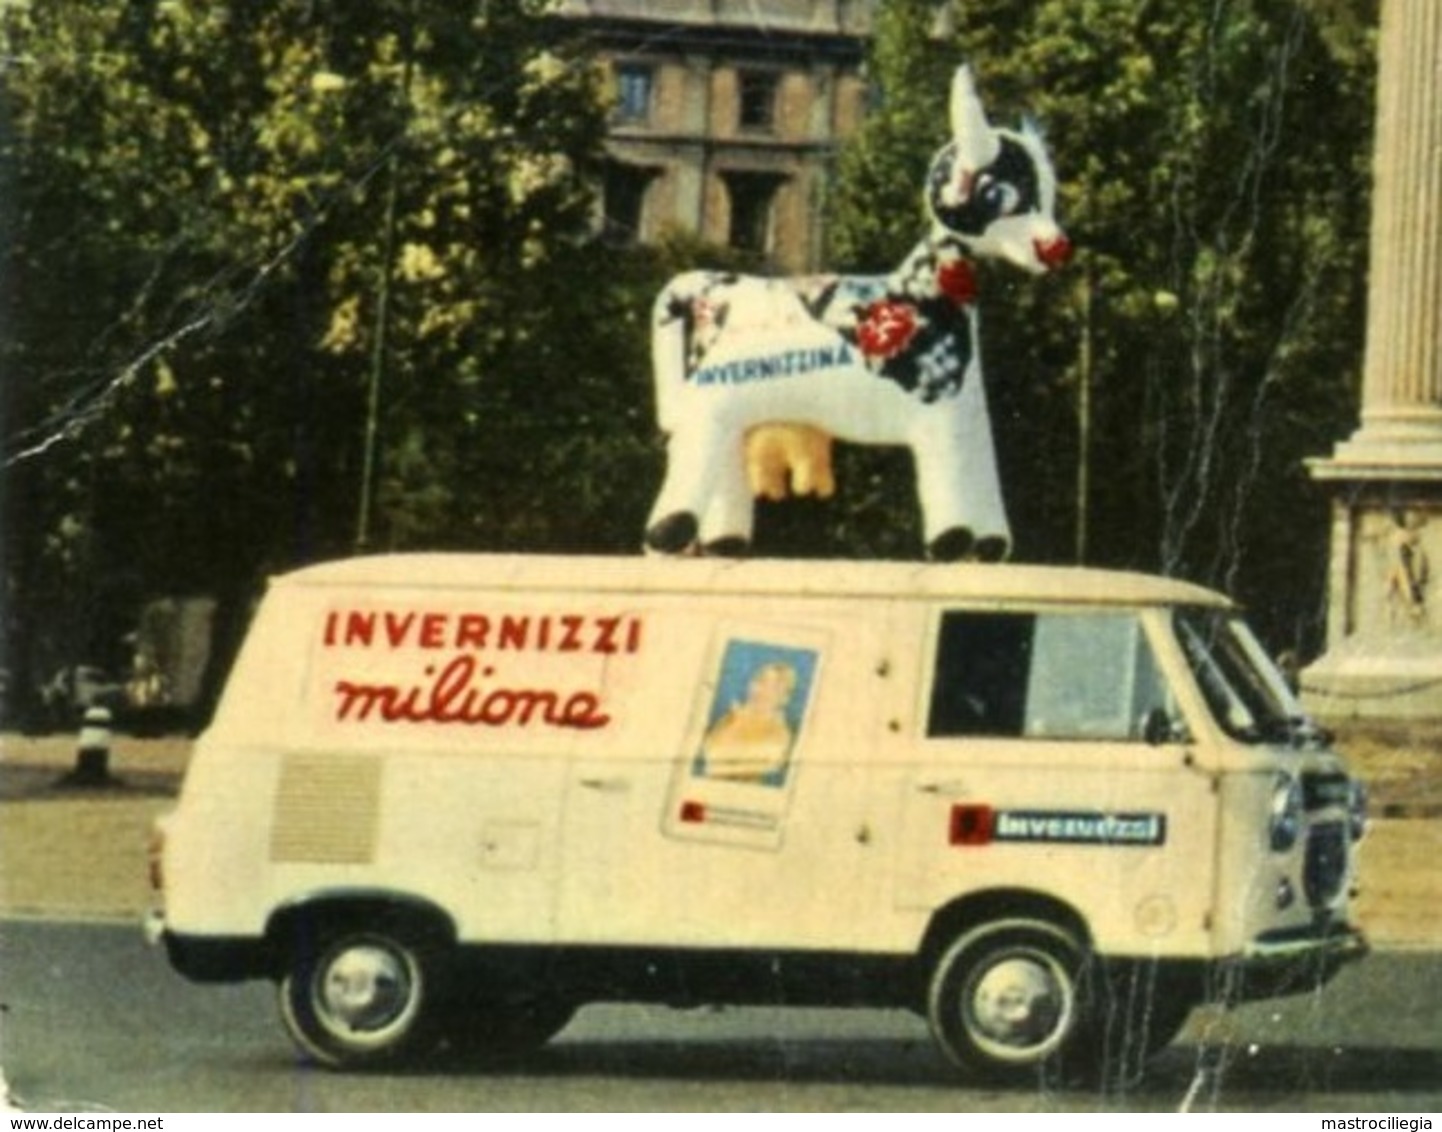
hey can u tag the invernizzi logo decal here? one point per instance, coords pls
(982, 825)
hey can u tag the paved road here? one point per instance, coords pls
(95, 1019)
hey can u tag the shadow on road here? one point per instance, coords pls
(1208, 1074)
(1287, 1069)
(43, 783)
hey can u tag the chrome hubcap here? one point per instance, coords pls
(1019, 1006)
(365, 988)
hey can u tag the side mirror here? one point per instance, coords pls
(1159, 728)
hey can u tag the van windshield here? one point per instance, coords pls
(1243, 689)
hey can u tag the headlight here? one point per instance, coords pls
(1286, 815)
(1356, 810)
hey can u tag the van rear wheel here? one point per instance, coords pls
(358, 997)
(1006, 1001)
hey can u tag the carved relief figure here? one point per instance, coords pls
(1407, 568)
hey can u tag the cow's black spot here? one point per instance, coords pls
(933, 364)
(1009, 186)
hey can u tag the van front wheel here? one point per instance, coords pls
(1005, 1002)
(359, 998)
(495, 1030)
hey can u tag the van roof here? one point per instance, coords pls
(756, 576)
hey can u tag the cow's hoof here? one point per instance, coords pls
(674, 534)
(732, 546)
(952, 545)
(992, 548)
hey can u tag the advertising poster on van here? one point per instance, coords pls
(737, 782)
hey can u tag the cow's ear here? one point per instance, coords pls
(977, 144)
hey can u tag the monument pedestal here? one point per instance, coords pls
(1384, 604)
(1384, 628)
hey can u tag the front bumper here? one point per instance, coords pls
(1280, 963)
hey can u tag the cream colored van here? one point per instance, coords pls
(446, 800)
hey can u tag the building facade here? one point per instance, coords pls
(728, 116)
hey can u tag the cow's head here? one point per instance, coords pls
(994, 190)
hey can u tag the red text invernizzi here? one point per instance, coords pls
(601, 634)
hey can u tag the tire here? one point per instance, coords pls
(358, 997)
(1135, 1013)
(491, 1030)
(1007, 1001)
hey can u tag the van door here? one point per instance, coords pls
(740, 821)
(1053, 759)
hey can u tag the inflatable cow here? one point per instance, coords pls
(887, 359)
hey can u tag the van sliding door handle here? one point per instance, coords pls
(607, 785)
(948, 786)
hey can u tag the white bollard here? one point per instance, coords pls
(92, 755)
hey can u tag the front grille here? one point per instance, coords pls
(1321, 790)
(1325, 869)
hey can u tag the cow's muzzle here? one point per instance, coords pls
(1054, 252)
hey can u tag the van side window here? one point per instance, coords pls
(982, 661)
(1047, 675)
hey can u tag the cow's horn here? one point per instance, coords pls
(977, 145)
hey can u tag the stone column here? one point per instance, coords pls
(1384, 648)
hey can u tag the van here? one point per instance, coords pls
(448, 799)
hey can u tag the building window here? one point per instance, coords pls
(752, 198)
(635, 83)
(623, 196)
(757, 95)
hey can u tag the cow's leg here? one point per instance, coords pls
(960, 491)
(727, 523)
(694, 458)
